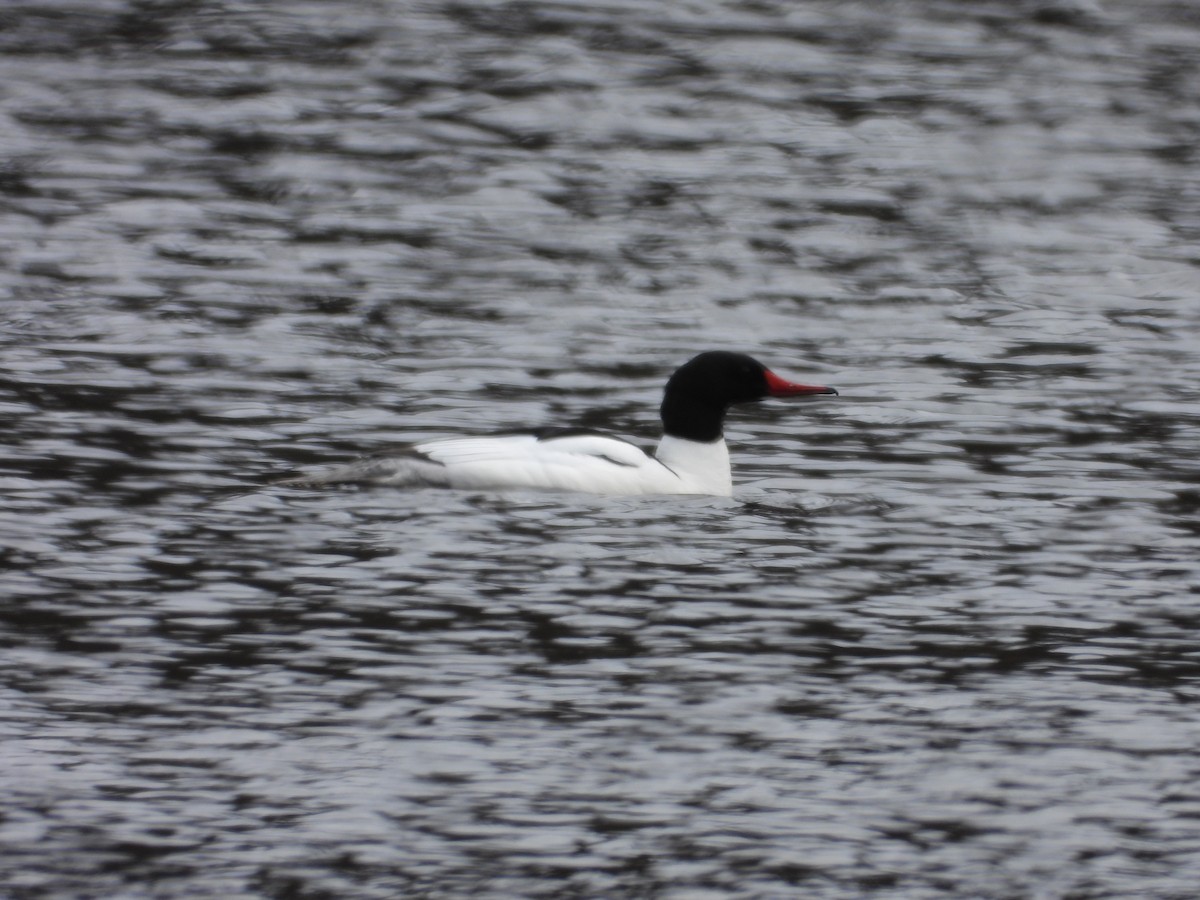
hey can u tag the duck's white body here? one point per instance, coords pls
(591, 463)
(691, 458)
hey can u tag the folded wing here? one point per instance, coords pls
(578, 462)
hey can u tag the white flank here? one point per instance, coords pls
(591, 463)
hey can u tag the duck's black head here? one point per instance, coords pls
(701, 391)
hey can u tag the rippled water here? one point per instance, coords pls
(941, 643)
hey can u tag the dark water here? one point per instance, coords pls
(941, 643)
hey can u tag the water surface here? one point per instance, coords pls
(941, 642)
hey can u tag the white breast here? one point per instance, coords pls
(702, 468)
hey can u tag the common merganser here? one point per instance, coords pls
(691, 458)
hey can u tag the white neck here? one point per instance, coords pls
(702, 467)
